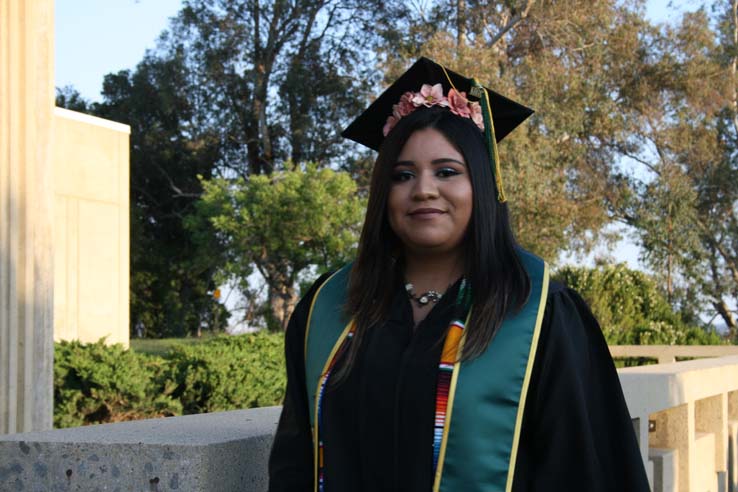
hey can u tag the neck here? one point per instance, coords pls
(433, 272)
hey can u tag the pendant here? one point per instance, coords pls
(423, 299)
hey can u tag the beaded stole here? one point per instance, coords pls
(445, 370)
(446, 366)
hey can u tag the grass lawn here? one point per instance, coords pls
(159, 346)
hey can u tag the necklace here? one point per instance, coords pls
(424, 298)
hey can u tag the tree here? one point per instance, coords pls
(69, 98)
(276, 79)
(566, 60)
(682, 200)
(635, 123)
(234, 88)
(171, 276)
(281, 225)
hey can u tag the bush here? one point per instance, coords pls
(229, 372)
(97, 383)
(631, 309)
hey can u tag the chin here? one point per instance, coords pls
(430, 246)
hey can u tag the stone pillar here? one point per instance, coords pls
(711, 416)
(26, 197)
(675, 430)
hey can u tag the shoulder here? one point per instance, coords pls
(570, 334)
(298, 321)
(565, 307)
(307, 300)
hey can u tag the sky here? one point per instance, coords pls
(94, 38)
(97, 37)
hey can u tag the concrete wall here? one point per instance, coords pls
(91, 228)
(219, 452)
(26, 195)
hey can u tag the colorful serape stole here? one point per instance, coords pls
(323, 384)
(446, 366)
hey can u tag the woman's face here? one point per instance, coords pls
(430, 198)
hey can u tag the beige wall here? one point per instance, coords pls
(91, 234)
(26, 296)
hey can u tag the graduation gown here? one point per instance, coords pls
(378, 426)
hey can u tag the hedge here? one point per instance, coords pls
(97, 383)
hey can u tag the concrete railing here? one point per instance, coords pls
(686, 419)
(685, 415)
(668, 353)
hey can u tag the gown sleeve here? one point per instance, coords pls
(577, 434)
(291, 458)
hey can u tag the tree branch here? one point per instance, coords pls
(734, 65)
(514, 20)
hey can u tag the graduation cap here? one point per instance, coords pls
(501, 115)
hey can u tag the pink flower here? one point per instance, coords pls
(406, 106)
(389, 125)
(476, 114)
(430, 96)
(458, 103)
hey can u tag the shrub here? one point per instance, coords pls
(229, 372)
(96, 383)
(631, 309)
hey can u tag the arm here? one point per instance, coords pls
(577, 433)
(291, 459)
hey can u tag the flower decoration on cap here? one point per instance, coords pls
(432, 95)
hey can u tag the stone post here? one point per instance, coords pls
(26, 197)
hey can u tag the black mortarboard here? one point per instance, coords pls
(366, 129)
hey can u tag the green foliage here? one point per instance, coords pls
(275, 79)
(97, 383)
(630, 307)
(282, 224)
(229, 372)
(634, 122)
(567, 62)
(171, 275)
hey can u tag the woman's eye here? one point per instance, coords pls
(399, 176)
(447, 172)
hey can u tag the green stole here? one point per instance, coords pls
(487, 394)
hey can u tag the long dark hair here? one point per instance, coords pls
(498, 280)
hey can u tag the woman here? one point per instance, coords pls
(442, 358)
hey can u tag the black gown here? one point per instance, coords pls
(378, 426)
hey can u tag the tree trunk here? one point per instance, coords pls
(734, 65)
(460, 25)
(669, 259)
(282, 301)
(727, 315)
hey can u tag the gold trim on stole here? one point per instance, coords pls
(317, 396)
(523, 393)
(526, 379)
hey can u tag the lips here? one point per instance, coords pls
(422, 213)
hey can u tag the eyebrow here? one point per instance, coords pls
(440, 160)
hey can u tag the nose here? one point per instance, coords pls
(425, 187)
